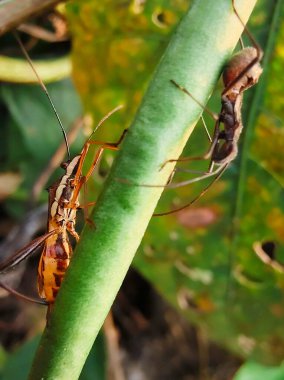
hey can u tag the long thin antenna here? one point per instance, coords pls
(105, 118)
(259, 53)
(44, 89)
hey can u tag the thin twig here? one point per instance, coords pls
(14, 13)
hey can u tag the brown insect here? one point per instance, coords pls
(241, 72)
(63, 205)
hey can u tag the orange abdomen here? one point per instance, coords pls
(52, 266)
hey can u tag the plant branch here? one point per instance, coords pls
(194, 58)
(13, 13)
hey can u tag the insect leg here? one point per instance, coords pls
(22, 296)
(220, 172)
(213, 140)
(109, 146)
(206, 156)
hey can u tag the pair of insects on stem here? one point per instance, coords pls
(242, 71)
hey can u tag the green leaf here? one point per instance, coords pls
(3, 359)
(95, 366)
(18, 364)
(255, 371)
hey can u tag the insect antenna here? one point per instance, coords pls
(251, 37)
(257, 58)
(24, 51)
(104, 119)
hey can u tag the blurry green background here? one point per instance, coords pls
(202, 259)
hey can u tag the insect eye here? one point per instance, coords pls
(64, 165)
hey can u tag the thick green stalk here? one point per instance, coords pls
(194, 58)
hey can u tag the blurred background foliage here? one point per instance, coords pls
(203, 260)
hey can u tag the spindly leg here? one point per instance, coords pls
(79, 180)
(219, 172)
(180, 184)
(207, 155)
(22, 296)
(86, 206)
(213, 141)
(109, 146)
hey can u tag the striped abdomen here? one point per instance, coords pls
(53, 263)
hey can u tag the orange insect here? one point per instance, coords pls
(62, 210)
(63, 204)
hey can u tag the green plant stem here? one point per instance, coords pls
(194, 58)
